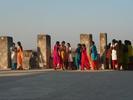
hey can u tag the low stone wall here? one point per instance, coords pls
(30, 59)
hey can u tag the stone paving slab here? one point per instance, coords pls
(68, 85)
(9, 72)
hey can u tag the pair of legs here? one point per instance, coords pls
(14, 66)
(70, 65)
(114, 64)
(77, 63)
(85, 65)
(94, 64)
(20, 66)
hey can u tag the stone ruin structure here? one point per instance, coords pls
(32, 59)
(86, 39)
(5, 54)
(103, 44)
(42, 57)
(44, 50)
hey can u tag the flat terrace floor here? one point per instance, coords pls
(66, 85)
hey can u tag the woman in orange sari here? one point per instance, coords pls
(20, 56)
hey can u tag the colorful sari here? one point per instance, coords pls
(94, 56)
(84, 60)
(56, 57)
(78, 58)
(20, 58)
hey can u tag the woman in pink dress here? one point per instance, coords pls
(56, 55)
(84, 59)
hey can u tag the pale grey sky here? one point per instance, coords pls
(65, 19)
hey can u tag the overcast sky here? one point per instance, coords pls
(65, 19)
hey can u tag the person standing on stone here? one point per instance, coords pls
(70, 58)
(63, 55)
(19, 56)
(78, 56)
(84, 59)
(94, 55)
(56, 55)
(14, 57)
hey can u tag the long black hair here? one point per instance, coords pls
(19, 44)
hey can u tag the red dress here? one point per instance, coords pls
(56, 57)
(84, 60)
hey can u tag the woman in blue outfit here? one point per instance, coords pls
(94, 55)
(78, 56)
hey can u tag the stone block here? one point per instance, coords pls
(30, 59)
(103, 44)
(44, 50)
(86, 39)
(5, 54)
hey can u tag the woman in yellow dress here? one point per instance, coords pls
(63, 55)
(19, 56)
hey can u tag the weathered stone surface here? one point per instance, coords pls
(30, 59)
(86, 39)
(44, 50)
(103, 44)
(5, 54)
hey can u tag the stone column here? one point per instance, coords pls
(103, 44)
(44, 50)
(86, 39)
(5, 53)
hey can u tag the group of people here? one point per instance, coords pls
(17, 56)
(84, 58)
(62, 56)
(119, 55)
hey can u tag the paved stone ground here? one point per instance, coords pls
(70, 85)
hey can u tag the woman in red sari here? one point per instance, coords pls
(84, 59)
(56, 56)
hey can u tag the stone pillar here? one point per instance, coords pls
(103, 44)
(44, 50)
(86, 39)
(5, 53)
